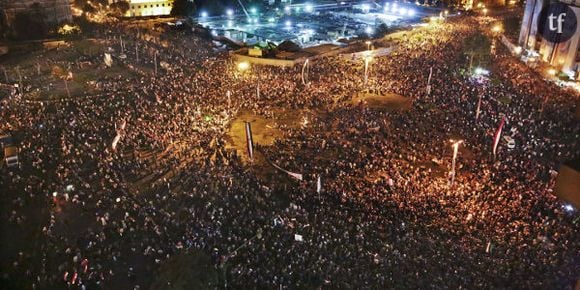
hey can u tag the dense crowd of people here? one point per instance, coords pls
(386, 216)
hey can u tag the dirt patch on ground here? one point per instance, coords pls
(265, 130)
(387, 102)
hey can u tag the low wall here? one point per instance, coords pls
(266, 61)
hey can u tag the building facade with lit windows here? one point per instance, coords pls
(564, 56)
(54, 12)
(141, 8)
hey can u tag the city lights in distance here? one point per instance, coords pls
(366, 8)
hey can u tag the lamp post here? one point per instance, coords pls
(367, 61)
(455, 145)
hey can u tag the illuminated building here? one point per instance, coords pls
(564, 55)
(139, 8)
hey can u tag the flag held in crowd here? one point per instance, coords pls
(298, 238)
(304, 71)
(116, 141)
(249, 141)
(478, 110)
(297, 176)
(429, 81)
(108, 60)
(497, 135)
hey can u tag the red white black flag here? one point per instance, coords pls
(249, 141)
(497, 135)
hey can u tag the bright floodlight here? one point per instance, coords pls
(309, 8)
(253, 10)
(203, 14)
(243, 66)
(403, 11)
(411, 12)
(369, 30)
(366, 7)
(230, 12)
(481, 71)
(287, 8)
(288, 23)
(271, 19)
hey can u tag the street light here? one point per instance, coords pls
(485, 11)
(455, 145)
(369, 30)
(243, 66)
(368, 59)
(230, 12)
